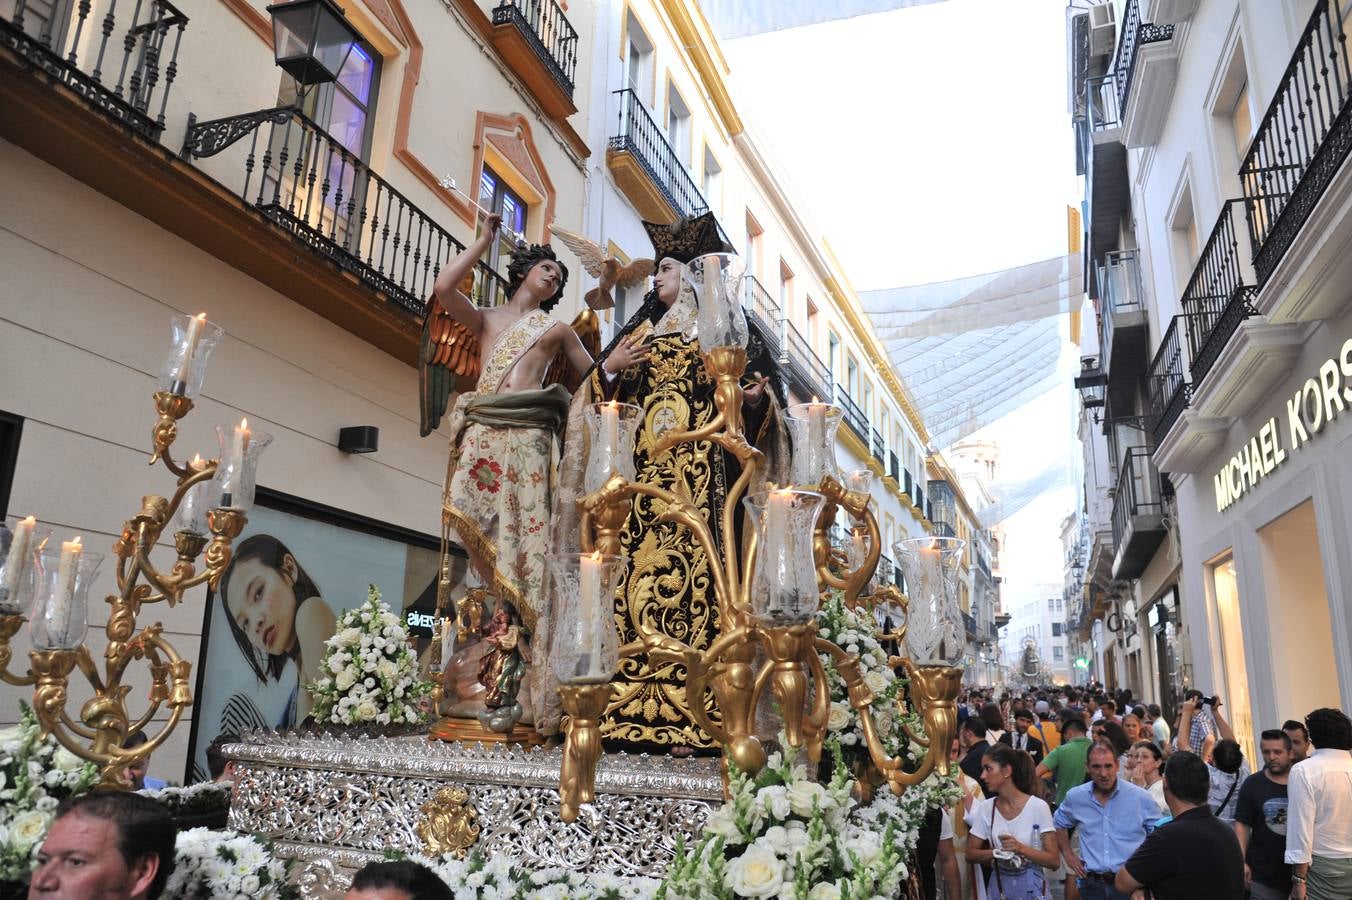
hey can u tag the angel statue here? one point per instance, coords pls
(609, 271)
(497, 496)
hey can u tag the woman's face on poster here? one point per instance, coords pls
(262, 601)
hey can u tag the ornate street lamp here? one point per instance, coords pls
(311, 40)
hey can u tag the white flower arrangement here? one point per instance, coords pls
(501, 877)
(226, 864)
(36, 774)
(785, 836)
(370, 671)
(205, 795)
(855, 632)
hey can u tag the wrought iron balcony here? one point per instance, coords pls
(808, 375)
(1302, 141)
(547, 32)
(854, 416)
(1220, 292)
(1134, 35)
(876, 446)
(907, 486)
(115, 59)
(645, 166)
(1138, 513)
(943, 529)
(303, 180)
(893, 467)
(762, 309)
(1168, 388)
(1123, 319)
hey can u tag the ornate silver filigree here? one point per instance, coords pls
(350, 799)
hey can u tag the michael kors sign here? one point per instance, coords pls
(1315, 403)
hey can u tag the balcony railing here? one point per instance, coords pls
(906, 485)
(894, 467)
(876, 444)
(113, 58)
(1101, 103)
(853, 415)
(805, 365)
(944, 529)
(763, 309)
(305, 181)
(1168, 389)
(1219, 294)
(1302, 141)
(639, 135)
(1134, 35)
(548, 32)
(1140, 491)
(1120, 291)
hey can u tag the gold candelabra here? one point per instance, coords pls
(728, 666)
(105, 720)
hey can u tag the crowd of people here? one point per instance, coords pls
(1099, 797)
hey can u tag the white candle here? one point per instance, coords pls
(58, 617)
(14, 561)
(859, 548)
(589, 586)
(816, 436)
(235, 463)
(610, 426)
(194, 334)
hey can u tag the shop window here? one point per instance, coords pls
(1224, 587)
(11, 429)
(1299, 628)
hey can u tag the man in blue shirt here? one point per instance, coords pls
(1112, 817)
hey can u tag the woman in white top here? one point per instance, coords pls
(1013, 830)
(1147, 760)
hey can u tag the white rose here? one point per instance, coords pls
(883, 719)
(876, 681)
(28, 828)
(366, 711)
(827, 890)
(336, 664)
(839, 716)
(722, 823)
(803, 793)
(778, 839)
(775, 800)
(867, 845)
(66, 761)
(756, 873)
(345, 679)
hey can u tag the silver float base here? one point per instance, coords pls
(337, 802)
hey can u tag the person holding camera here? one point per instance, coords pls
(1197, 731)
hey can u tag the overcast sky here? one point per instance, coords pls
(930, 143)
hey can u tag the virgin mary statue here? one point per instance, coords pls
(654, 362)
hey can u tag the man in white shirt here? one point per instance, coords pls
(1319, 812)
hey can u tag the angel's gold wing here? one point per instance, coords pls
(592, 256)
(448, 362)
(588, 328)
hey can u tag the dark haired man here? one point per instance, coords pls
(1300, 739)
(397, 880)
(1024, 738)
(1111, 817)
(106, 846)
(972, 740)
(1066, 764)
(1159, 728)
(1319, 811)
(1197, 730)
(1260, 820)
(1194, 857)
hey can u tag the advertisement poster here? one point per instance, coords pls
(295, 570)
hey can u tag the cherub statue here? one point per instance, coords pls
(496, 500)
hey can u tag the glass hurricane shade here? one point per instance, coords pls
(812, 429)
(934, 629)
(611, 430)
(784, 589)
(234, 484)
(586, 641)
(61, 579)
(192, 510)
(20, 540)
(716, 279)
(192, 338)
(858, 480)
(311, 39)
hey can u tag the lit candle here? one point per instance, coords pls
(590, 591)
(194, 335)
(191, 514)
(859, 548)
(235, 463)
(59, 615)
(610, 422)
(15, 560)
